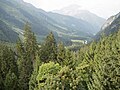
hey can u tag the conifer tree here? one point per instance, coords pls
(69, 59)
(60, 53)
(26, 57)
(10, 81)
(104, 64)
(49, 49)
(33, 82)
(30, 43)
(7, 63)
(1, 82)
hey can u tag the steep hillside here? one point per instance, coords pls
(6, 33)
(111, 25)
(15, 13)
(80, 13)
(75, 26)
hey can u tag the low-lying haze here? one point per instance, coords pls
(103, 8)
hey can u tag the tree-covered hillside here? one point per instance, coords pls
(15, 13)
(50, 66)
(6, 33)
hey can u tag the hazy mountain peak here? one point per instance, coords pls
(72, 7)
(71, 10)
(80, 13)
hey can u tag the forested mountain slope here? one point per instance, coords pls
(6, 33)
(14, 13)
(28, 65)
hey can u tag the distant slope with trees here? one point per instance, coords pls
(15, 13)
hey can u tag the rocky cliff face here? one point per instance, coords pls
(111, 26)
(110, 21)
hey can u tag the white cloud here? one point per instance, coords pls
(103, 8)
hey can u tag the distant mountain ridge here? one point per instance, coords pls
(80, 13)
(15, 13)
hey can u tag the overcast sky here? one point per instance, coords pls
(103, 8)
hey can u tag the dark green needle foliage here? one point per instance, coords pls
(26, 52)
(48, 50)
(8, 69)
(51, 66)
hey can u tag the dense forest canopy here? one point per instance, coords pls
(51, 66)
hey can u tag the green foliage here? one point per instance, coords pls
(94, 67)
(33, 80)
(46, 72)
(69, 61)
(52, 67)
(26, 57)
(48, 50)
(104, 64)
(7, 63)
(10, 81)
(52, 76)
(60, 53)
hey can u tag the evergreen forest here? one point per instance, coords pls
(28, 65)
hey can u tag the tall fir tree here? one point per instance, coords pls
(26, 57)
(10, 81)
(49, 49)
(33, 82)
(7, 63)
(60, 53)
